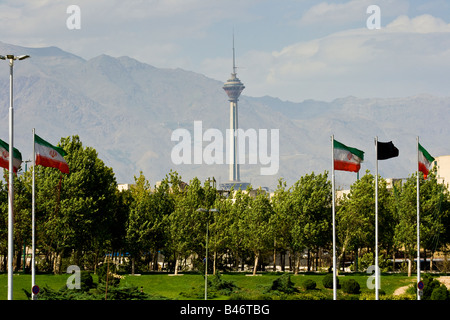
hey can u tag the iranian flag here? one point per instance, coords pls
(425, 161)
(346, 158)
(48, 155)
(4, 157)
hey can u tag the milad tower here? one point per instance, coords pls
(233, 87)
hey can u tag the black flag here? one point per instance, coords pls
(386, 150)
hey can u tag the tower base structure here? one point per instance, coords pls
(235, 185)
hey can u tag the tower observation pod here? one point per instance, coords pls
(233, 87)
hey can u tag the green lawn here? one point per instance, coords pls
(171, 286)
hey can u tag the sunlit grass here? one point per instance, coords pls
(169, 286)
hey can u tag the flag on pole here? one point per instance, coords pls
(4, 157)
(386, 150)
(48, 155)
(425, 161)
(346, 158)
(383, 151)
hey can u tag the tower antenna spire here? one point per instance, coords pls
(234, 59)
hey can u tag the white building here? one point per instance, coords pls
(443, 169)
(123, 186)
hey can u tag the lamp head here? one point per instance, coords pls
(13, 57)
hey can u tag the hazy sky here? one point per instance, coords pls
(290, 49)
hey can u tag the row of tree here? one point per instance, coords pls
(81, 218)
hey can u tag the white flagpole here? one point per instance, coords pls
(334, 220)
(377, 273)
(418, 221)
(33, 224)
(11, 185)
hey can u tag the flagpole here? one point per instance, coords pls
(377, 273)
(334, 218)
(11, 185)
(418, 220)
(33, 224)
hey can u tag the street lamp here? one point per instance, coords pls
(206, 260)
(11, 59)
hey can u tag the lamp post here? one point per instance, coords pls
(11, 59)
(206, 259)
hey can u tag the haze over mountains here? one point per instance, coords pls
(127, 111)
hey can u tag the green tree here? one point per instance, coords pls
(143, 227)
(241, 201)
(21, 216)
(355, 219)
(119, 222)
(256, 228)
(75, 210)
(187, 225)
(3, 222)
(311, 205)
(281, 220)
(433, 213)
(219, 230)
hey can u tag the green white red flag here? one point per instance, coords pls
(48, 155)
(425, 161)
(346, 158)
(4, 157)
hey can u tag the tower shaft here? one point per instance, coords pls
(234, 174)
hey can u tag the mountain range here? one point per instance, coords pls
(128, 110)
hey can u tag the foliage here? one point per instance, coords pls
(284, 284)
(113, 293)
(429, 285)
(327, 281)
(255, 225)
(440, 293)
(309, 284)
(351, 286)
(216, 287)
(356, 215)
(221, 286)
(82, 218)
(248, 288)
(87, 282)
(311, 198)
(106, 273)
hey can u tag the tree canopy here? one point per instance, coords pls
(82, 219)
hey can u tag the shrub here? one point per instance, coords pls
(429, 285)
(440, 293)
(86, 280)
(124, 293)
(284, 284)
(108, 272)
(309, 284)
(221, 286)
(366, 260)
(327, 281)
(350, 286)
(216, 286)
